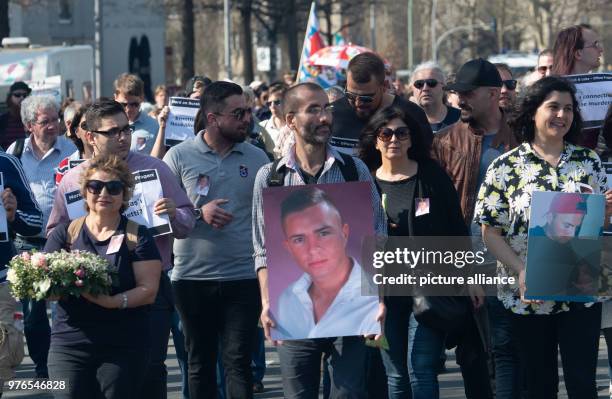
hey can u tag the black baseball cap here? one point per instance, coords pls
(476, 73)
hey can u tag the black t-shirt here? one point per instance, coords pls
(396, 202)
(79, 321)
(452, 116)
(347, 126)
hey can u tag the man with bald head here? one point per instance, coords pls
(312, 160)
(428, 83)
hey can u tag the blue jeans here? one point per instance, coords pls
(414, 353)
(300, 363)
(505, 352)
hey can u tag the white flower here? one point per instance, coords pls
(11, 275)
(572, 170)
(552, 179)
(530, 172)
(587, 166)
(493, 202)
(502, 175)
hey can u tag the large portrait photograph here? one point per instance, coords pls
(313, 237)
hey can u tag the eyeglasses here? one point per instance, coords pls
(364, 99)
(543, 68)
(419, 84)
(316, 110)
(510, 84)
(113, 187)
(237, 114)
(46, 122)
(131, 104)
(115, 132)
(20, 94)
(385, 134)
(595, 44)
(273, 102)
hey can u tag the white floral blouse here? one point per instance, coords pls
(504, 201)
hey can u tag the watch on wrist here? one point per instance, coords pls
(197, 212)
(124, 301)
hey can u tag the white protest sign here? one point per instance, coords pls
(181, 119)
(4, 237)
(50, 86)
(594, 94)
(140, 208)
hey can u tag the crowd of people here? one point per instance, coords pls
(432, 156)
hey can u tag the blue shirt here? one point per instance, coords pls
(145, 132)
(41, 172)
(487, 155)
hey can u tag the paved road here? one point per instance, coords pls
(451, 385)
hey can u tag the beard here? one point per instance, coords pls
(316, 136)
(234, 136)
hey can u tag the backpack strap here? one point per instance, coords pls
(18, 149)
(276, 178)
(74, 229)
(348, 168)
(131, 233)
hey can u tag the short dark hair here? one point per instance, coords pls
(291, 98)
(364, 66)
(304, 198)
(418, 151)
(213, 99)
(546, 51)
(102, 108)
(505, 67)
(522, 122)
(278, 88)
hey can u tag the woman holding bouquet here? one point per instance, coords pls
(99, 343)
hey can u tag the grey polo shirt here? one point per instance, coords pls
(145, 133)
(216, 254)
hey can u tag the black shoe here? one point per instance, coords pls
(258, 387)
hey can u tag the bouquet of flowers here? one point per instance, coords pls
(40, 275)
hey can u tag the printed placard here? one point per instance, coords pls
(594, 94)
(181, 119)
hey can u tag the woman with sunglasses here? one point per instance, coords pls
(76, 133)
(548, 124)
(420, 200)
(99, 344)
(11, 126)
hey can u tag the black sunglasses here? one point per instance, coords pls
(419, 84)
(20, 95)
(364, 99)
(238, 113)
(510, 84)
(113, 187)
(132, 104)
(275, 102)
(401, 133)
(115, 132)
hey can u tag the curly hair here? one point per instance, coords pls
(418, 151)
(115, 166)
(523, 122)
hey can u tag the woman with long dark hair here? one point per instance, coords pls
(419, 200)
(548, 124)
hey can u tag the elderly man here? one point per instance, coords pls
(39, 154)
(428, 90)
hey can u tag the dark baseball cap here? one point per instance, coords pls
(20, 86)
(475, 73)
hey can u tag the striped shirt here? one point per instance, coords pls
(41, 172)
(331, 174)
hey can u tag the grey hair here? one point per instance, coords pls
(249, 95)
(32, 104)
(427, 65)
(71, 110)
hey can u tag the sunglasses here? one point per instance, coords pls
(386, 134)
(237, 114)
(133, 104)
(20, 95)
(113, 187)
(510, 84)
(419, 84)
(274, 102)
(364, 99)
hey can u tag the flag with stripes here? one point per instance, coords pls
(313, 41)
